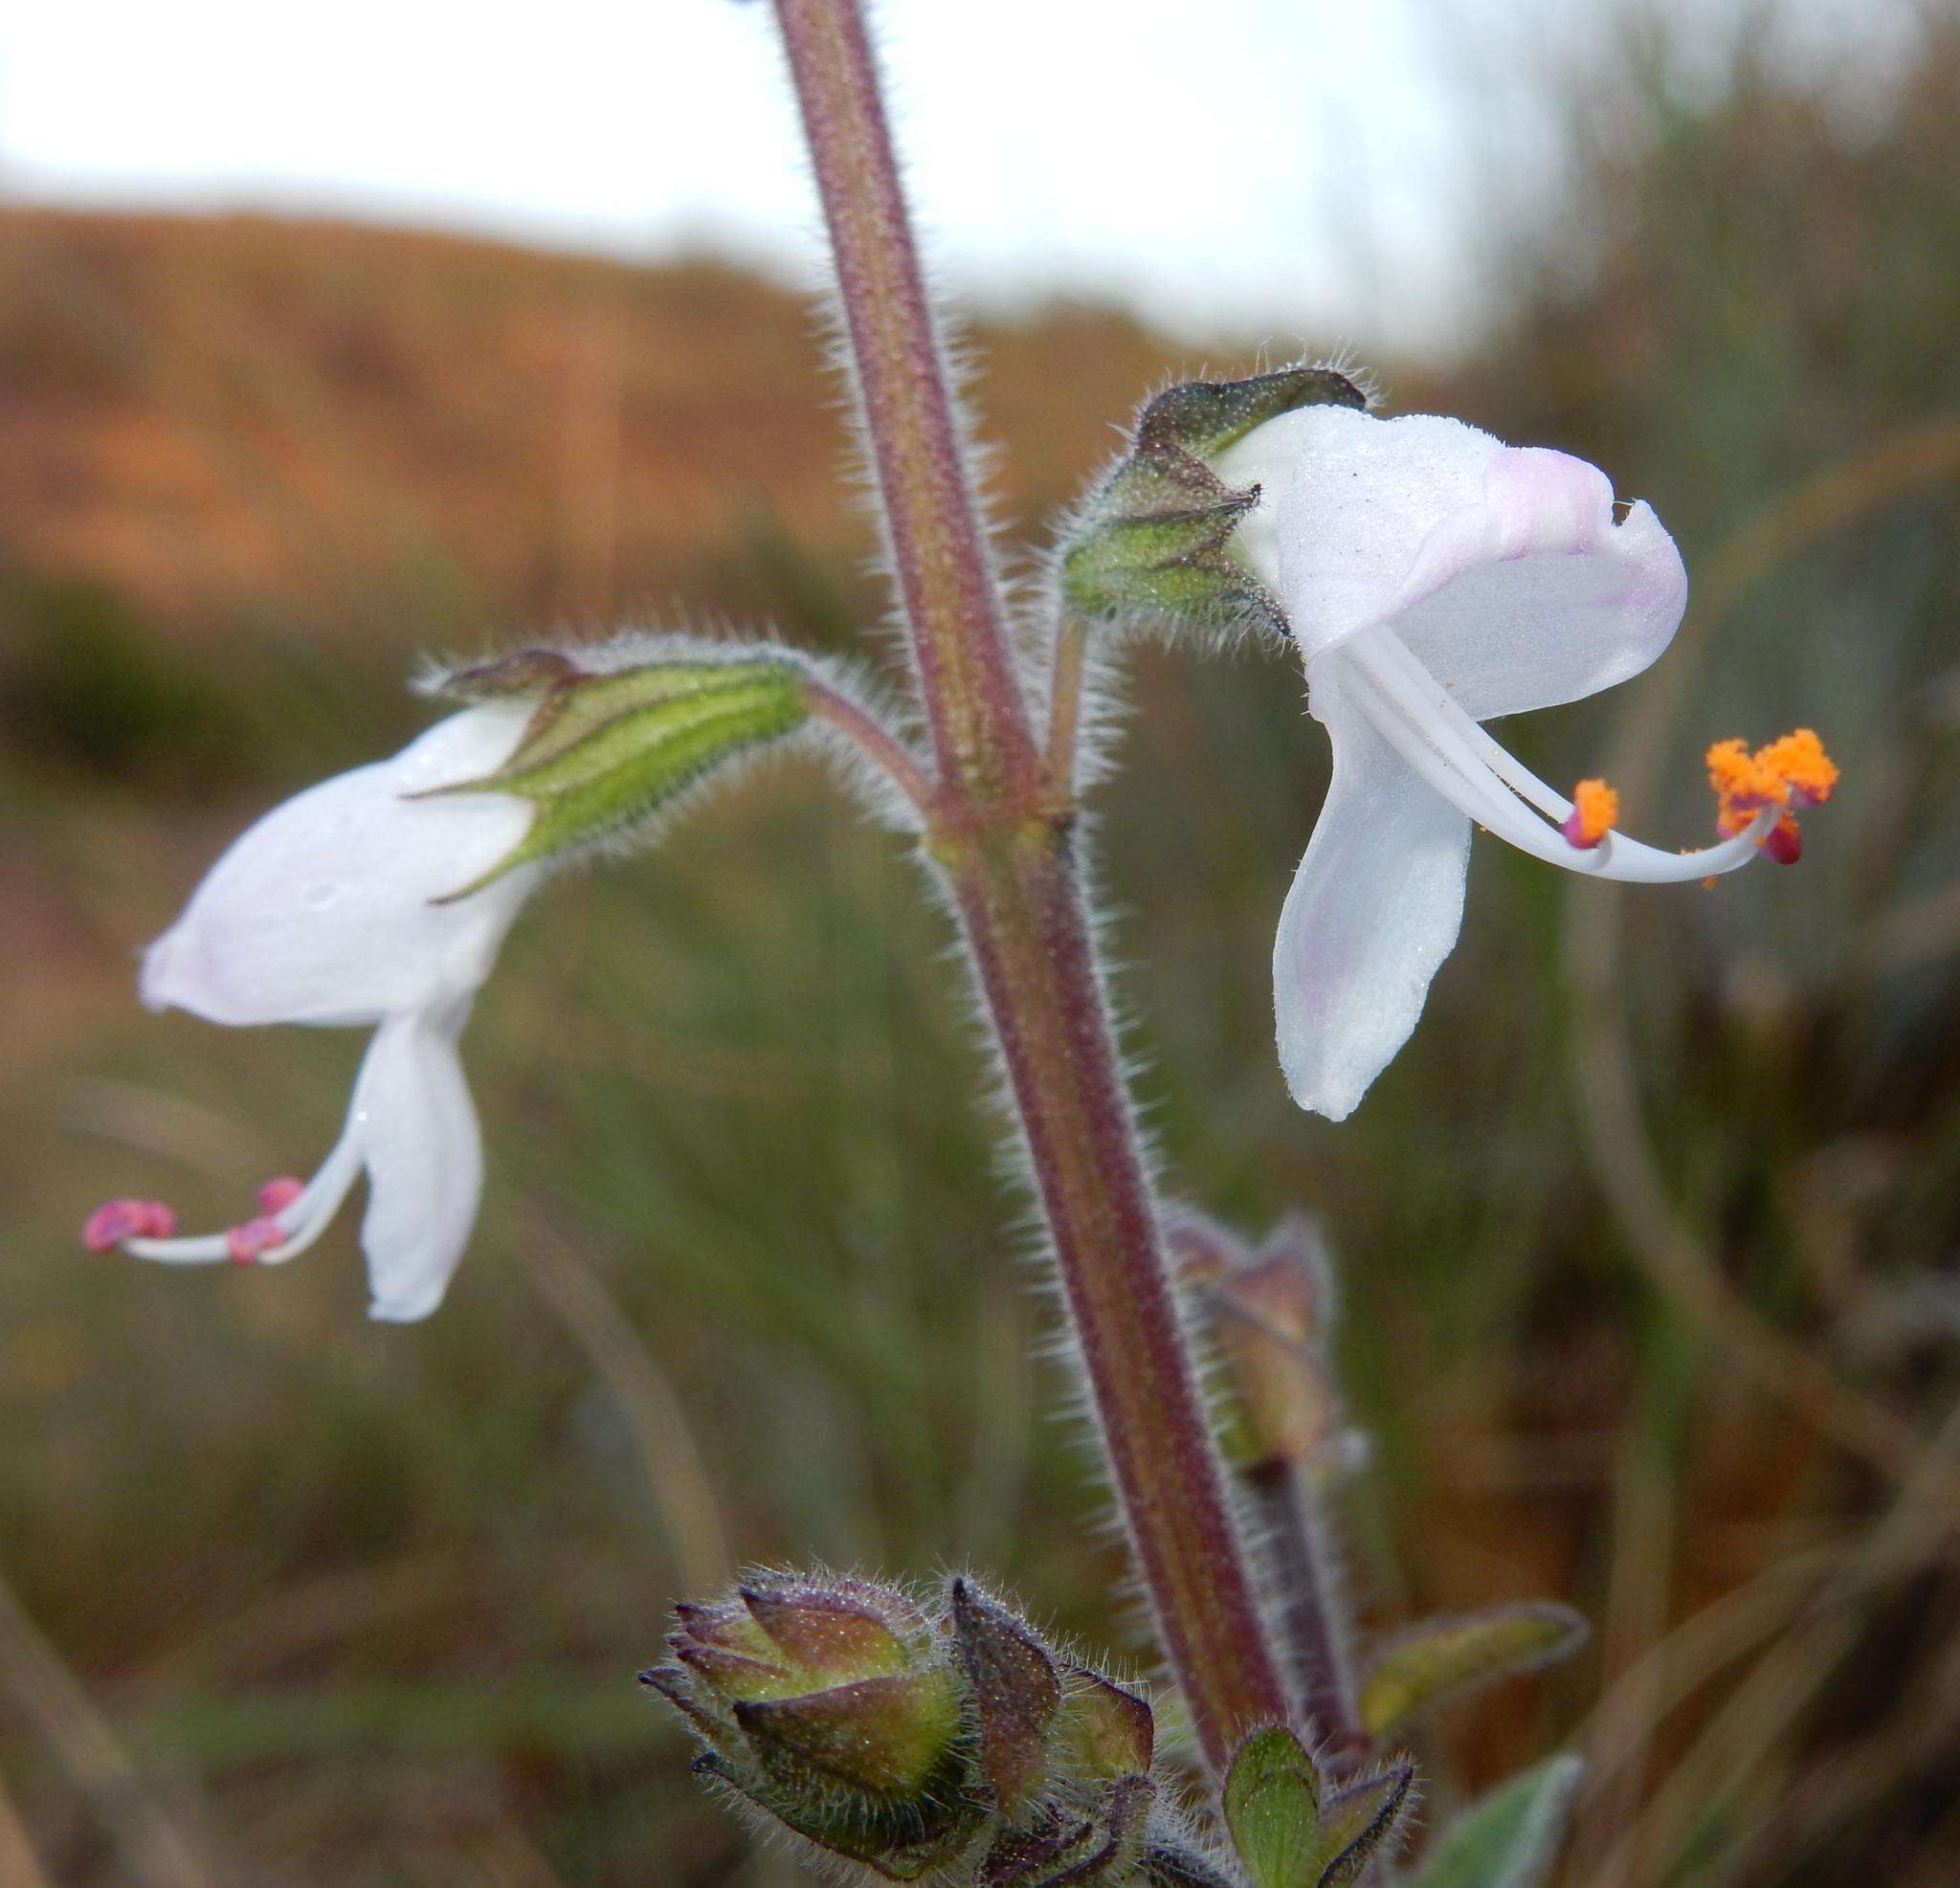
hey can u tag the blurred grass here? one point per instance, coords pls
(304, 1601)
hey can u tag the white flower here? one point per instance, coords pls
(329, 911)
(1433, 578)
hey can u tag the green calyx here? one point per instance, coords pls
(1153, 544)
(608, 749)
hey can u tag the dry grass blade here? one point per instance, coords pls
(160, 1851)
(19, 1865)
(1918, 1528)
(675, 1475)
(1603, 1064)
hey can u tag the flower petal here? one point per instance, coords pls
(1561, 620)
(425, 1162)
(1376, 907)
(323, 911)
(1500, 567)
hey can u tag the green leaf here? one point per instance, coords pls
(606, 750)
(1444, 1656)
(1271, 1808)
(1358, 1819)
(1511, 1838)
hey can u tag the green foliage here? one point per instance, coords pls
(1511, 1838)
(1272, 1810)
(1442, 1656)
(1360, 1818)
(1290, 1830)
(87, 687)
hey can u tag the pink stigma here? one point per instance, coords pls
(1785, 842)
(111, 1224)
(245, 1243)
(276, 1196)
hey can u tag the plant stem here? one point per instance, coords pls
(1001, 834)
(1313, 1622)
(1016, 891)
(946, 578)
(875, 739)
(1065, 699)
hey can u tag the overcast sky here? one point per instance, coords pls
(1303, 170)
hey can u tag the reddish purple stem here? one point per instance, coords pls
(999, 828)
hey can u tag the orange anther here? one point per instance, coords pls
(1793, 770)
(1595, 813)
(1798, 760)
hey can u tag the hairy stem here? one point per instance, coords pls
(1313, 1622)
(1016, 891)
(1000, 833)
(1065, 699)
(952, 604)
(874, 737)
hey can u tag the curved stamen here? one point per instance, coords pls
(304, 1220)
(1436, 737)
(1466, 778)
(1504, 763)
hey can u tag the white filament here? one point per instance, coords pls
(1414, 714)
(304, 1220)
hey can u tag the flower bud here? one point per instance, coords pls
(1014, 1691)
(1151, 543)
(1271, 1311)
(912, 1740)
(830, 1705)
(1290, 1830)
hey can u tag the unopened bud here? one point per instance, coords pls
(1014, 1691)
(832, 1705)
(1102, 1731)
(1099, 1845)
(1271, 1311)
(914, 1739)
